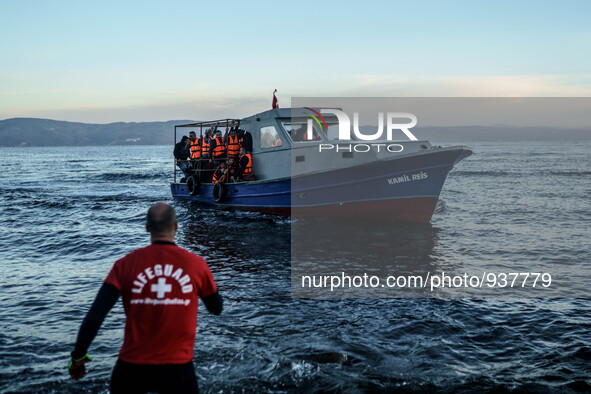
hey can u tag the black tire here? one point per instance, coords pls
(220, 192)
(193, 185)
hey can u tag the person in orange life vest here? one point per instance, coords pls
(232, 169)
(220, 174)
(245, 166)
(194, 147)
(205, 144)
(206, 165)
(244, 137)
(160, 285)
(217, 148)
(233, 144)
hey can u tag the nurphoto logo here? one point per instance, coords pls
(344, 130)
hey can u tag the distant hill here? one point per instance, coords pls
(46, 132)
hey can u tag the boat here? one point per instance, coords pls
(303, 170)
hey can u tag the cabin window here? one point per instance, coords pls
(298, 132)
(269, 137)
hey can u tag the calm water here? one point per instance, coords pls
(69, 213)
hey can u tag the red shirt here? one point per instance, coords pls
(160, 285)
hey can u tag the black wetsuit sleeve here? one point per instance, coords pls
(104, 301)
(214, 303)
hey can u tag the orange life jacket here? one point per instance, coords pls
(248, 169)
(218, 175)
(195, 149)
(205, 145)
(233, 146)
(220, 148)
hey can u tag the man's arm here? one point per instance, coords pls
(214, 303)
(104, 301)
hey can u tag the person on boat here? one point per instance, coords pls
(180, 149)
(232, 168)
(245, 172)
(220, 174)
(233, 144)
(194, 146)
(160, 285)
(205, 144)
(217, 148)
(315, 137)
(267, 140)
(181, 154)
(244, 137)
(206, 165)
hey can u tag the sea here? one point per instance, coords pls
(69, 212)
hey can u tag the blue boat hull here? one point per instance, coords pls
(271, 197)
(404, 189)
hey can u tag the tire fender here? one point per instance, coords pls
(220, 192)
(193, 185)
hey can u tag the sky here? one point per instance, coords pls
(135, 61)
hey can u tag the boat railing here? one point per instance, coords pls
(201, 128)
(205, 174)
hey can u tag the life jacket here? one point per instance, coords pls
(195, 149)
(220, 148)
(279, 142)
(248, 169)
(205, 145)
(233, 146)
(218, 175)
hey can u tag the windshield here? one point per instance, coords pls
(299, 132)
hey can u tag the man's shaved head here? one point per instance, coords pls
(161, 219)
